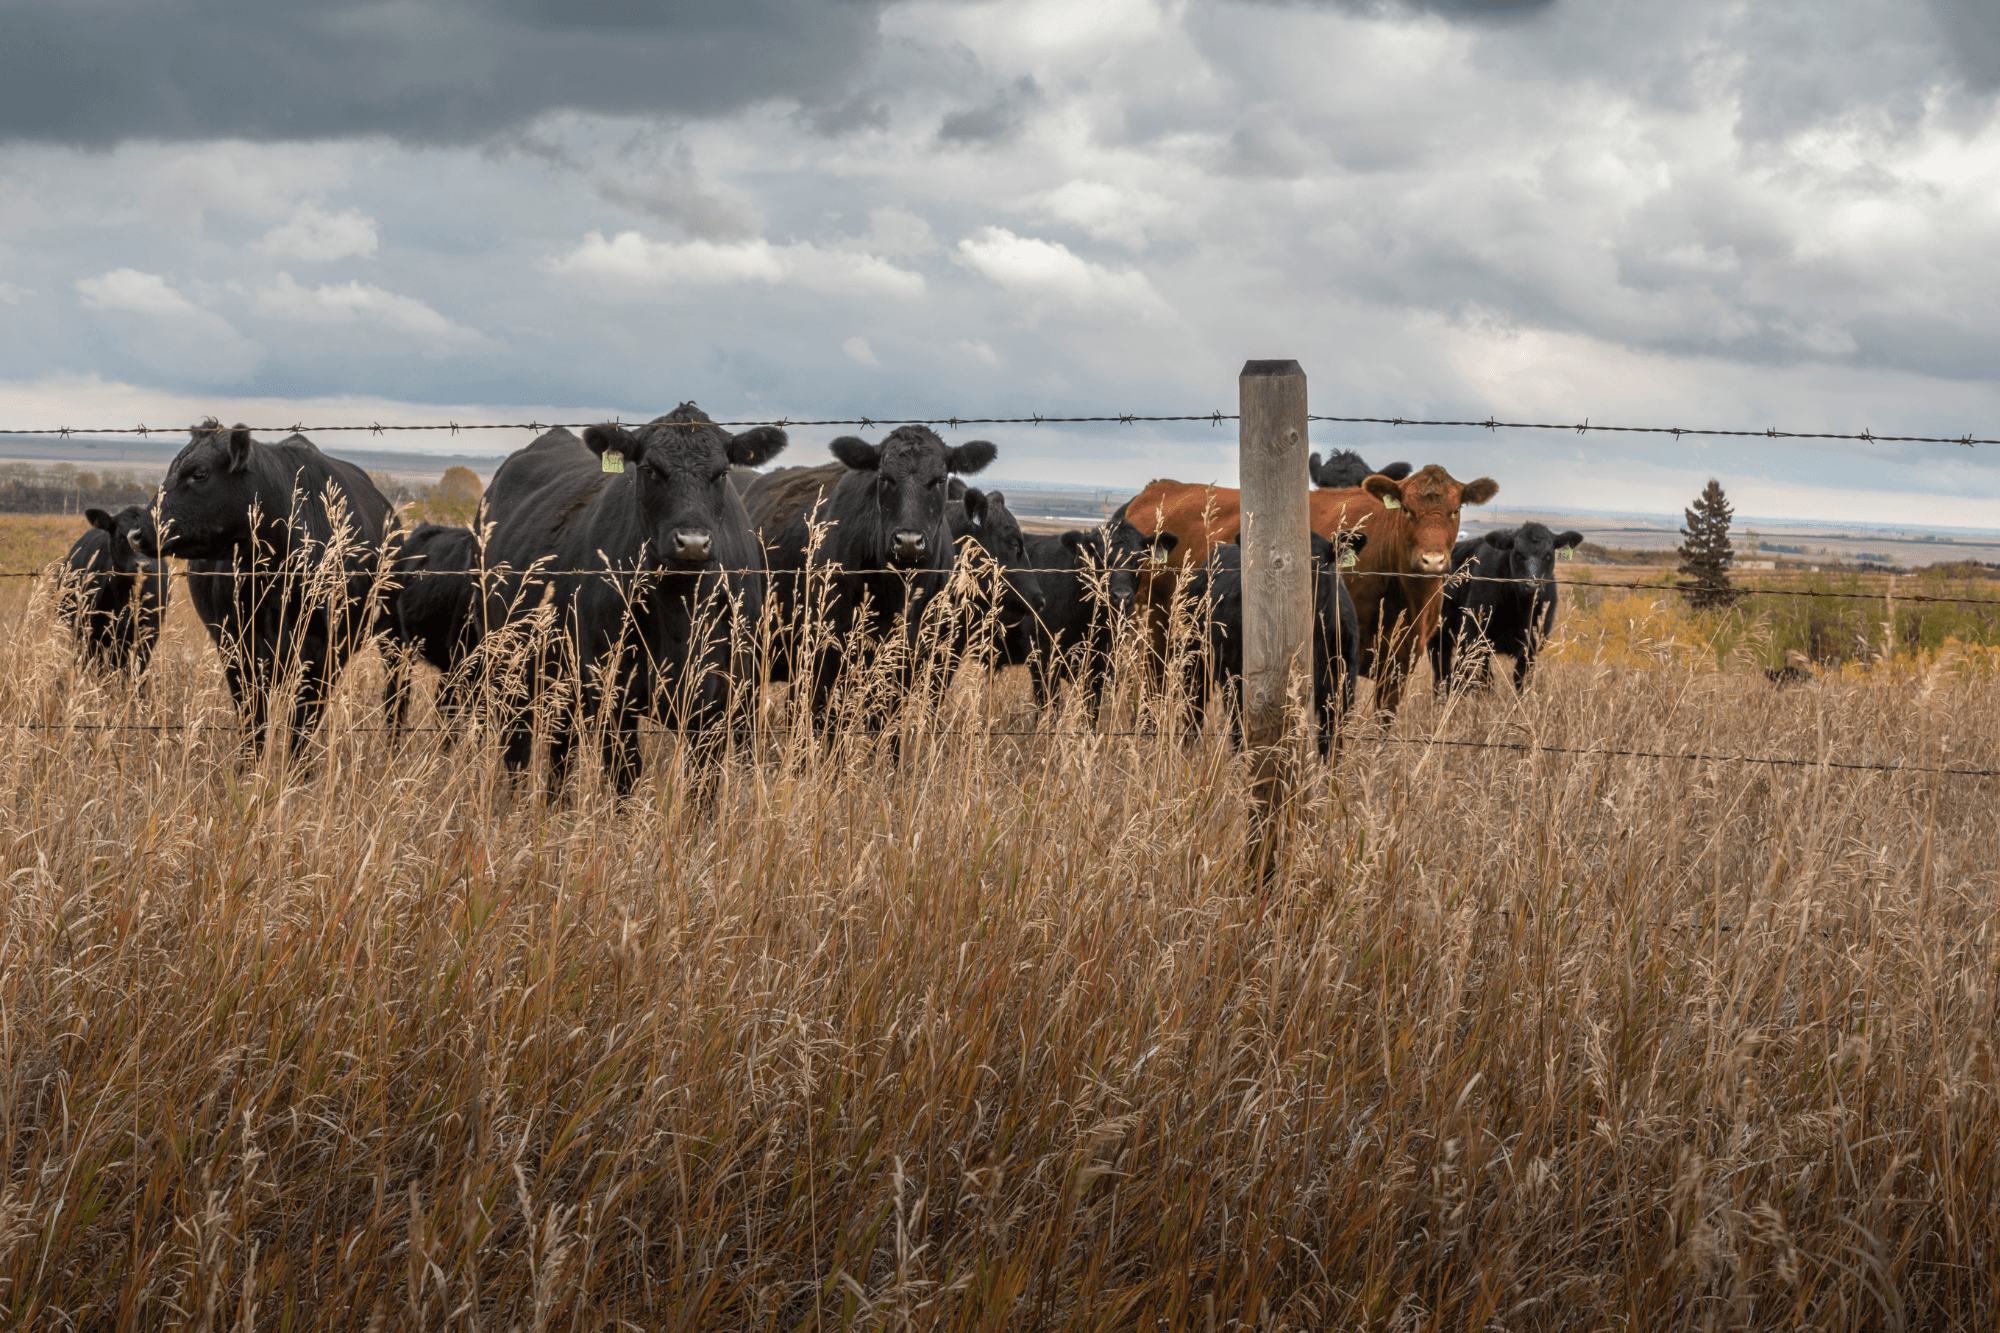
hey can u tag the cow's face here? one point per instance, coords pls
(205, 502)
(1131, 554)
(998, 533)
(1528, 553)
(908, 489)
(1429, 500)
(127, 528)
(680, 465)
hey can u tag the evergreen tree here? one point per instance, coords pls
(1705, 550)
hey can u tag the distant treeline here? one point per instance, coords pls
(64, 488)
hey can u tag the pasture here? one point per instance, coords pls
(991, 1032)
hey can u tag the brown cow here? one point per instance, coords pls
(1411, 525)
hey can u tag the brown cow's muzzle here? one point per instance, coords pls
(1432, 563)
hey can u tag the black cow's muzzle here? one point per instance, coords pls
(138, 540)
(908, 548)
(690, 546)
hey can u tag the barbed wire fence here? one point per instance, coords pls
(1213, 419)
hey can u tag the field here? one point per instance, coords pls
(993, 1032)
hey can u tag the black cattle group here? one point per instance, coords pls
(634, 567)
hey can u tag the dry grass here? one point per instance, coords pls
(995, 1035)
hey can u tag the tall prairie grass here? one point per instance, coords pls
(989, 1030)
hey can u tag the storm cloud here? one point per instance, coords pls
(442, 71)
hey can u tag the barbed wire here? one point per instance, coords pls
(1213, 418)
(1153, 733)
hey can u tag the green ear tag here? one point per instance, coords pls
(1565, 554)
(1347, 560)
(1391, 502)
(613, 460)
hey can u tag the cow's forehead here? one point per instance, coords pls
(1432, 488)
(913, 451)
(686, 444)
(1534, 534)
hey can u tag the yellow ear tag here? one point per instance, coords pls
(1565, 554)
(613, 460)
(1347, 560)
(1391, 502)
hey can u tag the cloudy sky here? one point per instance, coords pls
(1743, 214)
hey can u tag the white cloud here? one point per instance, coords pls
(1048, 277)
(630, 259)
(11, 294)
(140, 293)
(346, 302)
(895, 231)
(857, 349)
(320, 238)
(978, 351)
(247, 180)
(1107, 212)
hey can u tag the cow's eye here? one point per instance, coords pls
(197, 474)
(718, 474)
(935, 483)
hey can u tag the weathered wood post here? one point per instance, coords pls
(1277, 576)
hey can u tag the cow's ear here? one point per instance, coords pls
(1383, 487)
(1312, 468)
(1479, 492)
(238, 448)
(1075, 540)
(970, 456)
(857, 453)
(99, 519)
(610, 439)
(1398, 471)
(1499, 541)
(1567, 539)
(757, 446)
(1165, 541)
(975, 507)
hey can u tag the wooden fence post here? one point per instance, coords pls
(1277, 576)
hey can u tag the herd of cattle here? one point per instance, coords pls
(641, 550)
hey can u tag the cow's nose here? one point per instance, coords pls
(909, 545)
(690, 545)
(1433, 562)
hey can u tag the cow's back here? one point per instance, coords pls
(534, 495)
(773, 499)
(295, 464)
(1200, 517)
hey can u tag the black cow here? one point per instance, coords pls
(1481, 618)
(1008, 596)
(429, 610)
(282, 545)
(646, 568)
(112, 596)
(1217, 593)
(889, 542)
(1089, 582)
(1343, 468)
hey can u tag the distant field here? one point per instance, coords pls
(990, 1030)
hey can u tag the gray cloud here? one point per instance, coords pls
(1973, 27)
(670, 190)
(831, 119)
(995, 118)
(433, 71)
